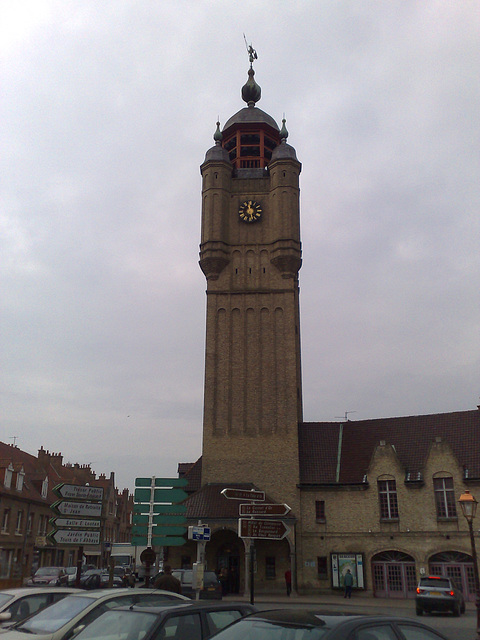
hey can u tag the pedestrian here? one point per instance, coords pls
(288, 581)
(167, 581)
(348, 583)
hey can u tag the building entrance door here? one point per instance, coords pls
(457, 566)
(393, 575)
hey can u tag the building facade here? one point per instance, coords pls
(26, 496)
(378, 497)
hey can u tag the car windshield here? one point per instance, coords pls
(4, 598)
(50, 619)
(48, 571)
(264, 630)
(117, 625)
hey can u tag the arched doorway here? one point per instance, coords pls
(394, 575)
(228, 563)
(457, 566)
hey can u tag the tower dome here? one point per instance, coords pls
(251, 135)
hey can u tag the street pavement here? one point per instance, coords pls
(462, 628)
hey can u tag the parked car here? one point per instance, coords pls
(193, 621)
(51, 576)
(99, 579)
(212, 589)
(18, 604)
(437, 593)
(303, 624)
(62, 619)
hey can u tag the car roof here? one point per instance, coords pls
(313, 617)
(22, 591)
(195, 606)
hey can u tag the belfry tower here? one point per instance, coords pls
(250, 253)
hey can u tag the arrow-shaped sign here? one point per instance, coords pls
(70, 536)
(161, 482)
(75, 523)
(78, 492)
(243, 494)
(138, 530)
(259, 509)
(160, 508)
(160, 541)
(160, 495)
(262, 529)
(65, 508)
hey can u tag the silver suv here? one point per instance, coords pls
(437, 593)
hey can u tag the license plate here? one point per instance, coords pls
(435, 593)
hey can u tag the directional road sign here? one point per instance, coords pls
(77, 537)
(138, 530)
(166, 509)
(74, 523)
(66, 508)
(160, 541)
(243, 494)
(161, 482)
(262, 529)
(262, 509)
(78, 492)
(144, 519)
(160, 495)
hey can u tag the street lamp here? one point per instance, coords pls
(469, 504)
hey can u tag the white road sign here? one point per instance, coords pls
(69, 536)
(65, 508)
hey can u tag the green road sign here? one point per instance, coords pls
(168, 541)
(160, 541)
(169, 519)
(136, 519)
(169, 531)
(160, 508)
(161, 482)
(160, 495)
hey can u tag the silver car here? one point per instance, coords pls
(18, 604)
(76, 611)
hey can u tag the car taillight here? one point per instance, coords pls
(419, 590)
(452, 593)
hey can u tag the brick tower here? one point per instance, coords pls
(250, 253)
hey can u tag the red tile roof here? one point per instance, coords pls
(321, 449)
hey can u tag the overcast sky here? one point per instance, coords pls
(107, 111)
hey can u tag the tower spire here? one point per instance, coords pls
(251, 91)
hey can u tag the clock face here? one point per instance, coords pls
(250, 211)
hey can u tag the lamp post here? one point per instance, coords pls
(469, 504)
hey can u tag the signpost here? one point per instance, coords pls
(70, 508)
(74, 536)
(262, 529)
(157, 516)
(74, 523)
(77, 503)
(243, 494)
(256, 509)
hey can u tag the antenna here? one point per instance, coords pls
(14, 438)
(345, 417)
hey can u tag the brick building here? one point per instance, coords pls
(26, 493)
(378, 497)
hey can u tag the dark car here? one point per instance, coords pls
(99, 579)
(212, 589)
(192, 621)
(304, 624)
(437, 593)
(48, 576)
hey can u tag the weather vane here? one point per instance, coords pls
(252, 54)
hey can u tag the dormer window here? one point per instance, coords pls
(20, 479)
(8, 477)
(45, 488)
